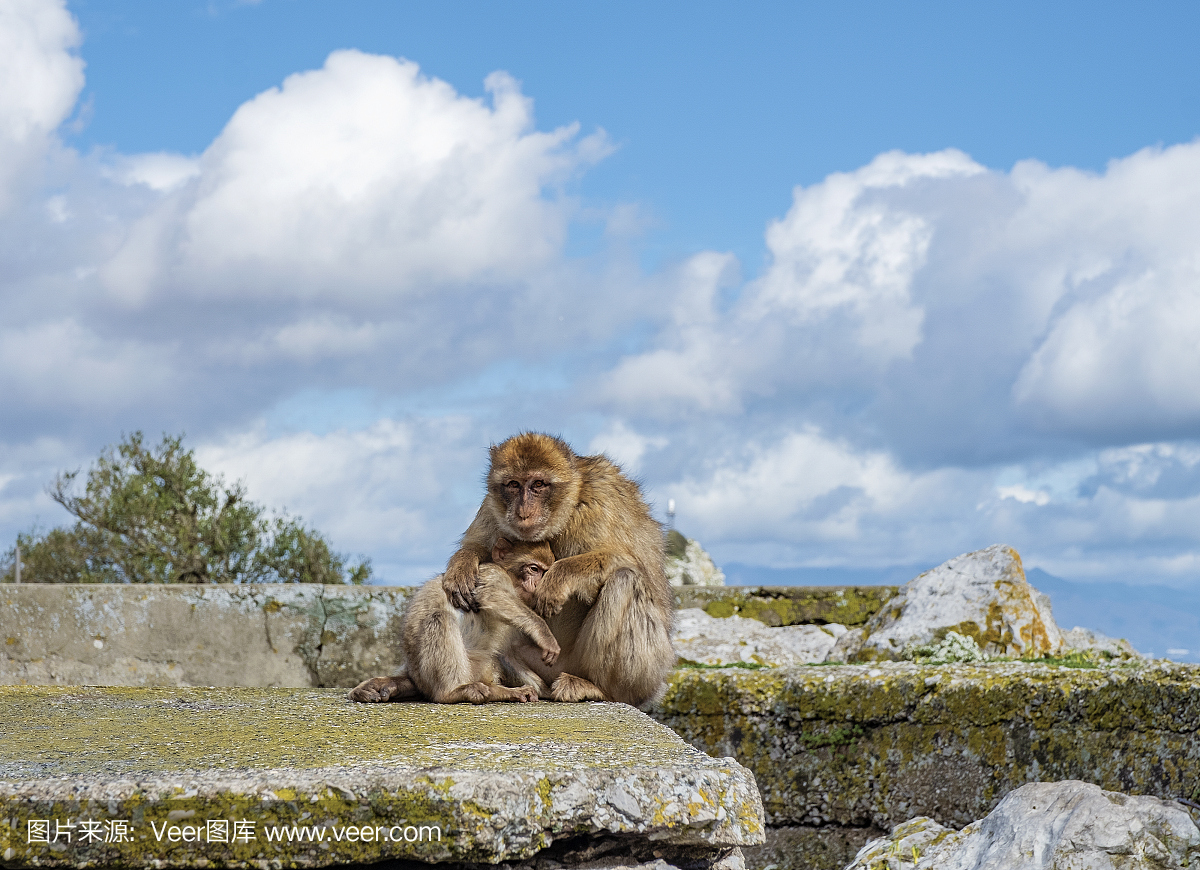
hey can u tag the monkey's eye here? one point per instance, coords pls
(539, 484)
(513, 485)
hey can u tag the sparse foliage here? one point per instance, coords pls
(152, 515)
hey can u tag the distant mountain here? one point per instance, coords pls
(753, 575)
(1158, 620)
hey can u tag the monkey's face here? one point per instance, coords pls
(530, 573)
(528, 504)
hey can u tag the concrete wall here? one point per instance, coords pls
(255, 635)
(292, 635)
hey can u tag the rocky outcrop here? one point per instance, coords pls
(304, 778)
(702, 639)
(1044, 826)
(1086, 640)
(689, 565)
(983, 595)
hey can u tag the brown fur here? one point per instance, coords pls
(606, 598)
(450, 658)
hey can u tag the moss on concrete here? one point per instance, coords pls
(788, 605)
(869, 746)
(121, 730)
(498, 782)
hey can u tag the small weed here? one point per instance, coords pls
(1077, 659)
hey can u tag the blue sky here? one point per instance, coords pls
(860, 286)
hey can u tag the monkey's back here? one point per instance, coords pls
(612, 514)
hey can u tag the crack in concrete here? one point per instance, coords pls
(267, 626)
(315, 665)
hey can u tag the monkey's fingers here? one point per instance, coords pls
(550, 605)
(460, 593)
(550, 654)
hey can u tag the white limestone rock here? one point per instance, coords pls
(847, 646)
(689, 565)
(1086, 640)
(705, 640)
(1047, 826)
(983, 595)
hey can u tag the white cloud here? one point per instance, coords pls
(40, 79)
(835, 303)
(64, 365)
(1127, 354)
(624, 446)
(162, 171)
(957, 312)
(1024, 494)
(691, 370)
(388, 489)
(815, 493)
(362, 182)
(839, 249)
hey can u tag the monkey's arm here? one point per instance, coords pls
(462, 571)
(581, 576)
(497, 596)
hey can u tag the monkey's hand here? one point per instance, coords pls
(552, 590)
(462, 573)
(581, 576)
(550, 651)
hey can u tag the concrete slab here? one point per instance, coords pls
(169, 777)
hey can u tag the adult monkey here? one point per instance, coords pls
(606, 597)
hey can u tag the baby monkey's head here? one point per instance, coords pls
(526, 561)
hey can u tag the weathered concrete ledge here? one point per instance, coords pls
(842, 753)
(298, 635)
(140, 777)
(293, 635)
(788, 605)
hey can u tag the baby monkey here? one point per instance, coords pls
(453, 657)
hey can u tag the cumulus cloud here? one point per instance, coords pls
(959, 313)
(362, 223)
(40, 79)
(810, 499)
(364, 180)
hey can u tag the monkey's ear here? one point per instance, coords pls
(501, 549)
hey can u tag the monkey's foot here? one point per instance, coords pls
(570, 688)
(521, 694)
(378, 690)
(486, 693)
